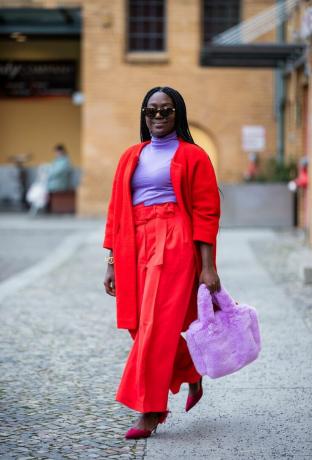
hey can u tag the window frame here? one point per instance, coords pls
(139, 53)
(202, 21)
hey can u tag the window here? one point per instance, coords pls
(218, 16)
(146, 25)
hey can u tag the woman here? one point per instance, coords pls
(161, 229)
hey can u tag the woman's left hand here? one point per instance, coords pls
(210, 278)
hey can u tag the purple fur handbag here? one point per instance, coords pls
(222, 342)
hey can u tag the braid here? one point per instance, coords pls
(181, 123)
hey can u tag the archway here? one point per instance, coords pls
(205, 141)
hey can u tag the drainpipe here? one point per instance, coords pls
(280, 92)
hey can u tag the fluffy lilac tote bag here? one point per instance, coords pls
(222, 342)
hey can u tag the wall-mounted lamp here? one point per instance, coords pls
(78, 98)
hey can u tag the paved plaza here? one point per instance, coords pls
(62, 356)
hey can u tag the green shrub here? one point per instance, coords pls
(274, 171)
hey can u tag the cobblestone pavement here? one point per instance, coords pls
(26, 240)
(62, 358)
(284, 258)
(264, 411)
(38, 245)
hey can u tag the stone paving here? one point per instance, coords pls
(25, 240)
(284, 258)
(61, 360)
(38, 245)
(264, 411)
(62, 357)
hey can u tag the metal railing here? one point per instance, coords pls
(250, 29)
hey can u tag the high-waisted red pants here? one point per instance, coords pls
(159, 359)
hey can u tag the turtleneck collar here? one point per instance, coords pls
(165, 141)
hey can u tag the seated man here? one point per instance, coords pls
(60, 170)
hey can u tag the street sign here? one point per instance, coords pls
(306, 23)
(253, 138)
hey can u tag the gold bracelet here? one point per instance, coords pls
(109, 259)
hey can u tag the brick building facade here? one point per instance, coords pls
(114, 79)
(298, 105)
(219, 100)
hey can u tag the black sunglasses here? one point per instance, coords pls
(151, 112)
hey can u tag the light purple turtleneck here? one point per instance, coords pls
(151, 182)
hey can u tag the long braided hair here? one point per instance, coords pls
(181, 124)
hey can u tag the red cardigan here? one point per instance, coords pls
(195, 186)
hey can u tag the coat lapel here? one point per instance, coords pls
(127, 214)
(125, 265)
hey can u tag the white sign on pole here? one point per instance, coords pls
(306, 23)
(253, 138)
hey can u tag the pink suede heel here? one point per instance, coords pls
(192, 400)
(137, 433)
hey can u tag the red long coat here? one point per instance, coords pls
(195, 186)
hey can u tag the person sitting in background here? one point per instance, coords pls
(59, 175)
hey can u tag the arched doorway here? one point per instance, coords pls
(206, 142)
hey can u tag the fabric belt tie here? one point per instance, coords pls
(160, 213)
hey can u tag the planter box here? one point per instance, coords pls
(257, 205)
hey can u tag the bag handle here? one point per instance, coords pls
(204, 305)
(223, 299)
(206, 312)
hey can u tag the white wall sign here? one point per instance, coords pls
(253, 138)
(306, 23)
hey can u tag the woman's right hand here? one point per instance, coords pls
(109, 281)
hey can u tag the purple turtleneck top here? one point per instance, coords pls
(151, 182)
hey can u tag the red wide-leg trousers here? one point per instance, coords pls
(159, 359)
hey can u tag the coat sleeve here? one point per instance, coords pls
(205, 200)
(108, 234)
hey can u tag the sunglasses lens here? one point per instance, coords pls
(166, 112)
(151, 112)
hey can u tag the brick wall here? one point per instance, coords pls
(219, 101)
